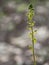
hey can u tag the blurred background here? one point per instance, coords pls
(14, 38)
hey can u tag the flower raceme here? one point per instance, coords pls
(31, 24)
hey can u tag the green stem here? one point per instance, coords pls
(33, 47)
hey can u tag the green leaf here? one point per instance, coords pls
(35, 31)
(34, 40)
(29, 16)
(31, 7)
(31, 23)
(29, 28)
(30, 35)
(30, 47)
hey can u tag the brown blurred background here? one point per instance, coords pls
(14, 34)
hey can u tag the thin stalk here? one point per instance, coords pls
(33, 47)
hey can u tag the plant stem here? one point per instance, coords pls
(33, 47)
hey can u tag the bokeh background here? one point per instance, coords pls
(14, 38)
